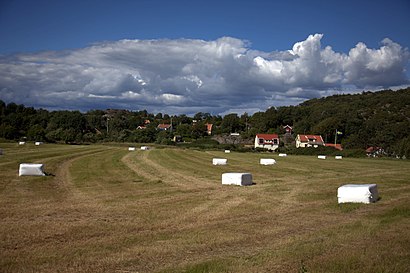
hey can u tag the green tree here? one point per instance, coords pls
(231, 124)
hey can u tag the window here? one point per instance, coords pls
(261, 141)
(275, 141)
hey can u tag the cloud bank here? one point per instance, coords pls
(189, 76)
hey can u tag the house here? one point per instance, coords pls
(267, 141)
(164, 127)
(177, 138)
(209, 128)
(309, 141)
(288, 129)
(375, 151)
(336, 146)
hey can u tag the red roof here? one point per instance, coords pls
(267, 136)
(310, 138)
(372, 149)
(336, 146)
(164, 126)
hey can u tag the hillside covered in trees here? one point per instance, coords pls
(380, 119)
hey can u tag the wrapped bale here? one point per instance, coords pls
(38, 143)
(283, 155)
(267, 161)
(357, 193)
(144, 148)
(338, 157)
(22, 143)
(240, 179)
(131, 148)
(321, 156)
(227, 151)
(219, 161)
(31, 169)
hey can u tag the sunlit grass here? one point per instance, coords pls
(105, 209)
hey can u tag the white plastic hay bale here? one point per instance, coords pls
(38, 143)
(131, 148)
(144, 148)
(227, 151)
(267, 161)
(357, 193)
(338, 157)
(283, 155)
(321, 156)
(22, 142)
(240, 179)
(31, 169)
(219, 161)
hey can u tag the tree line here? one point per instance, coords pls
(379, 119)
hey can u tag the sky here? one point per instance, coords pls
(184, 57)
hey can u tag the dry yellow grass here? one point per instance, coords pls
(105, 209)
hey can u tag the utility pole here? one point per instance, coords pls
(337, 133)
(335, 137)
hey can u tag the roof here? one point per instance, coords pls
(267, 136)
(336, 146)
(309, 138)
(164, 126)
(372, 149)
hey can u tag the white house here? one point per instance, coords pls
(267, 141)
(309, 141)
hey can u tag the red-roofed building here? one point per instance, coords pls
(336, 146)
(309, 141)
(209, 128)
(164, 127)
(288, 129)
(375, 151)
(267, 141)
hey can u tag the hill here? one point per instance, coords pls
(379, 119)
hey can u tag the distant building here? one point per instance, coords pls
(164, 127)
(303, 141)
(177, 138)
(336, 146)
(267, 141)
(209, 128)
(288, 129)
(375, 151)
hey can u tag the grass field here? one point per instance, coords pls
(102, 208)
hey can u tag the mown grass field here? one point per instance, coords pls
(105, 209)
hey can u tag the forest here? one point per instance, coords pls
(368, 119)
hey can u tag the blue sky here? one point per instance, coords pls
(57, 36)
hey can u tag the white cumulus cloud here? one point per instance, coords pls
(188, 76)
